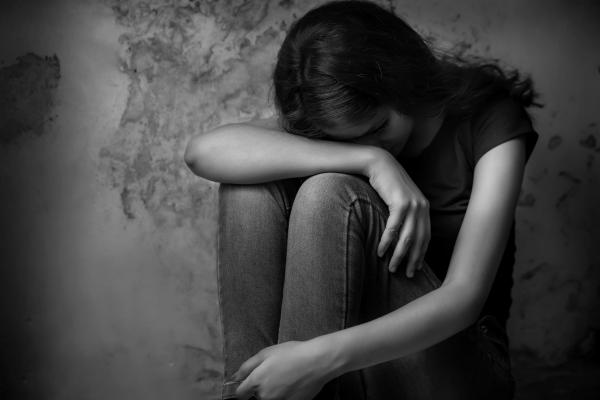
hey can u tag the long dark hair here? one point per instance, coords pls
(343, 60)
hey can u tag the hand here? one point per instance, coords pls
(287, 371)
(408, 219)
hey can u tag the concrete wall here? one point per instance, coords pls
(108, 241)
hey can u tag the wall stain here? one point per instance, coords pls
(176, 87)
(126, 202)
(563, 197)
(527, 200)
(538, 176)
(554, 142)
(197, 364)
(569, 176)
(589, 142)
(590, 162)
(532, 272)
(27, 96)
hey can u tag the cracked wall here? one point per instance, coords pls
(111, 240)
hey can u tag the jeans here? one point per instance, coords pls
(297, 259)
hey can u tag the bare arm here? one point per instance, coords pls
(259, 151)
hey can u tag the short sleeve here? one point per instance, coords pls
(502, 121)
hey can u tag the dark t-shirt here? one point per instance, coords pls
(444, 173)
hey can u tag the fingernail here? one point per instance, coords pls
(409, 274)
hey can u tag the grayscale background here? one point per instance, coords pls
(107, 241)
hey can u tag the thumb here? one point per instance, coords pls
(247, 387)
(248, 366)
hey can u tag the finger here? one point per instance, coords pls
(415, 250)
(248, 366)
(388, 238)
(247, 389)
(391, 230)
(404, 243)
(425, 246)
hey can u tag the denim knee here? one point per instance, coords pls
(248, 197)
(329, 190)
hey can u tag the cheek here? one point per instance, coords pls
(403, 130)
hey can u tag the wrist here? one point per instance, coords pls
(373, 156)
(331, 357)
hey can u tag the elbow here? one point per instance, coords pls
(472, 309)
(469, 303)
(191, 155)
(197, 155)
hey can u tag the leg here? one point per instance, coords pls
(334, 280)
(253, 223)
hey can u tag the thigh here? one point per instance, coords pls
(252, 229)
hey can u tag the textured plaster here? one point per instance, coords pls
(29, 84)
(110, 240)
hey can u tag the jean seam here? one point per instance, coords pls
(349, 210)
(347, 273)
(429, 274)
(220, 297)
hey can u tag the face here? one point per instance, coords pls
(388, 129)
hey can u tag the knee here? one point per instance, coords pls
(329, 190)
(234, 194)
(253, 200)
(243, 197)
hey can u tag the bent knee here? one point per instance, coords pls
(332, 188)
(248, 196)
(229, 192)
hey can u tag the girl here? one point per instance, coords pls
(366, 235)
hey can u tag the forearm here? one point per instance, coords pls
(241, 153)
(419, 324)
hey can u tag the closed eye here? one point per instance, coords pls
(378, 129)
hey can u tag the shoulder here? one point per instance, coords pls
(497, 122)
(505, 113)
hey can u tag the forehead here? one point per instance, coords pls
(350, 131)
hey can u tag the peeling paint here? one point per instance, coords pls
(532, 272)
(527, 200)
(589, 142)
(554, 142)
(27, 96)
(569, 176)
